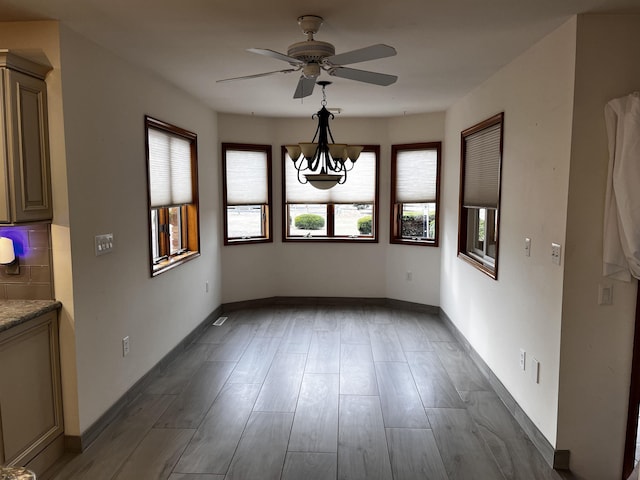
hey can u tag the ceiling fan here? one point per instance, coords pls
(312, 56)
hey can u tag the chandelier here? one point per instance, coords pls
(327, 163)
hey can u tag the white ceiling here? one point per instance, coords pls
(445, 47)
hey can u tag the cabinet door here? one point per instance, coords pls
(27, 147)
(30, 405)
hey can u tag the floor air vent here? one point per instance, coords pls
(220, 321)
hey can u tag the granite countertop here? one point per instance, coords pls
(15, 312)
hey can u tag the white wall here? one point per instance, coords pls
(596, 340)
(315, 269)
(522, 309)
(105, 100)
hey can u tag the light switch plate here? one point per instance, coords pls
(104, 244)
(555, 253)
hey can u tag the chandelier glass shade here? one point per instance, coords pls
(326, 164)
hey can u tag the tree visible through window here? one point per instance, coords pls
(480, 194)
(173, 194)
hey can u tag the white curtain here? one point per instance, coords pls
(621, 240)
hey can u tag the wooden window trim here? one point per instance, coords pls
(190, 212)
(463, 211)
(396, 208)
(373, 238)
(266, 209)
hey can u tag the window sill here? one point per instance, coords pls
(415, 242)
(331, 239)
(172, 262)
(247, 241)
(490, 271)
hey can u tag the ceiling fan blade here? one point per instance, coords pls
(372, 52)
(305, 87)
(257, 75)
(277, 55)
(363, 76)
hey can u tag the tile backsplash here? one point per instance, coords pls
(32, 243)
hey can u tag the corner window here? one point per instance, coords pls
(480, 194)
(347, 212)
(172, 170)
(415, 181)
(246, 193)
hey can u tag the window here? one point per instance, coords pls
(246, 193)
(415, 181)
(480, 194)
(347, 212)
(172, 169)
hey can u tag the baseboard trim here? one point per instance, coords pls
(330, 301)
(557, 459)
(78, 443)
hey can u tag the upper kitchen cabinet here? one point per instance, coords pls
(25, 176)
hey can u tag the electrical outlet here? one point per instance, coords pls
(523, 359)
(527, 247)
(555, 253)
(104, 244)
(605, 294)
(125, 346)
(409, 276)
(206, 287)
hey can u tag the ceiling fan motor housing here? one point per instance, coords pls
(311, 51)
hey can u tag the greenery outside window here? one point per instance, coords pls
(415, 182)
(344, 213)
(172, 169)
(480, 194)
(246, 193)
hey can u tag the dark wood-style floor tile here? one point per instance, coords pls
(385, 343)
(463, 451)
(435, 327)
(298, 336)
(515, 454)
(324, 352)
(195, 476)
(231, 331)
(464, 374)
(281, 386)
(362, 445)
(256, 361)
(315, 426)
(412, 337)
(214, 443)
(414, 455)
(262, 449)
(310, 466)
(190, 407)
(357, 372)
(109, 451)
(172, 380)
(433, 383)
(156, 455)
(401, 404)
(354, 329)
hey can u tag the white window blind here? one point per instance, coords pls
(246, 177)
(482, 168)
(416, 176)
(360, 186)
(170, 181)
